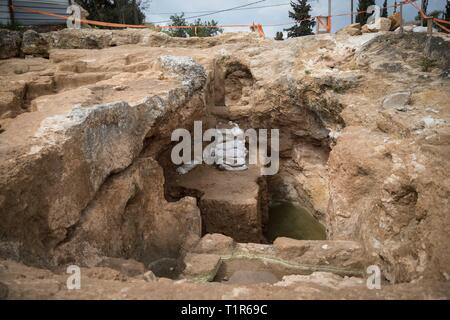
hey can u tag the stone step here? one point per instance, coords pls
(282, 258)
(231, 202)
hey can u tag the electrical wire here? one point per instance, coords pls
(210, 11)
(215, 12)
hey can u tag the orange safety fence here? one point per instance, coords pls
(122, 25)
(254, 27)
(434, 20)
(328, 26)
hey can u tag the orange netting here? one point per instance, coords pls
(434, 20)
(253, 27)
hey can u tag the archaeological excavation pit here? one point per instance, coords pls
(247, 205)
(87, 177)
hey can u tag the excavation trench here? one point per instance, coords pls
(146, 211)
(87, 177)
(248, 206)
(240, 204)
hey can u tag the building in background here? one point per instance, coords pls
(21, 17)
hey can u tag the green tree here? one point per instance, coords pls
(362, 8)
(178, 21)
(384, 10)
(208, 28)
(301, 14)
(279, 36)
(117, 11)
(447, 11)
(395, 6)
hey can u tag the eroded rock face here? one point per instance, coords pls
(79, 181)
(386, 186)
(71, 152)
(9, 43)
(34, 44)
(130, 217)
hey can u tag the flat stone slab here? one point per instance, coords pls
(397, 100)
(215, 243)
(201, 267)
(230, 201)
(338, 253)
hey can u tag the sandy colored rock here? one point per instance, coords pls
(397, 100)
(133, 223)
(67, 121)
(249, 277)
(335, 253)
(53, 286)
(201, 267)
(326, 279)
(237, 212)
(395, 21)
(215, 244)
(149, 276)
(9, 43)
(34, 44)
(352, 30)
(84, 177)
(382, 24)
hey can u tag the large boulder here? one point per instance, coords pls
(9, 43)
(94, 169)
(78, 39)
(382, 24)
(34, 44)
(395, 21)
(348, 254)
(215, 243)
(352, 30)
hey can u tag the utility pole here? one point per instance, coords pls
(329, 16)
(135, 15)
(429, 37)
(421, 18)
(401, 16)
(351, 9)
(11, 13)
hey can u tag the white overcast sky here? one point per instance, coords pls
(266, 16)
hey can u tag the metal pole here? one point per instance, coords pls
(421, 18)
(401, 17)
(11, 12)
(329, 16)
(351, 9)
(429, 36)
